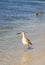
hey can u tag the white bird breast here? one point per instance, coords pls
(24, 41)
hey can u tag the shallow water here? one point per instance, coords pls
(12, 51)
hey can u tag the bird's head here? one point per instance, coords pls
(22, 32)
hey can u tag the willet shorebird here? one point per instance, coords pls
(25, 40)
(39, 12)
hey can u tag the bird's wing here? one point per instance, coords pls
(29, 41)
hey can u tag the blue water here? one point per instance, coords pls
(12, 10)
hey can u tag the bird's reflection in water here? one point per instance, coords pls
(26, 58)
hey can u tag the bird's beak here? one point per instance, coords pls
(18, 33)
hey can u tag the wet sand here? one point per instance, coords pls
(12, 51)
